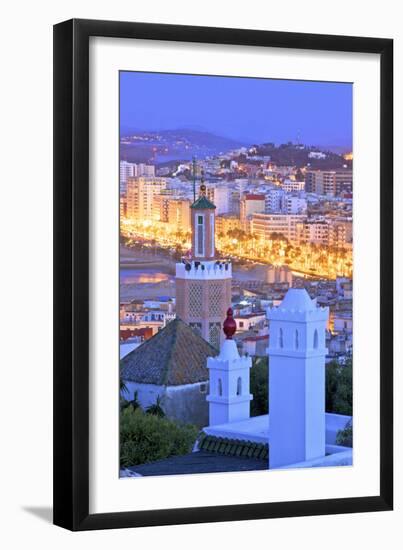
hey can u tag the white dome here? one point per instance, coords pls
(298, 299)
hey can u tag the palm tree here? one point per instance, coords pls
(122, 386)
(156, 409)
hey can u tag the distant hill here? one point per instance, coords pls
(177, 144)
(295, 155)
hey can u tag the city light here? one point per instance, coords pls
(311, 259)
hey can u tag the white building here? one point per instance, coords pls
(275, 200)
(249, 321)
(316, 155)
(147, 170)
(221, 197)
(294, 205)
(126, 170)
(132, 170)
(290, 185)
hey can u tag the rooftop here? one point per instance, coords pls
(202, 202)
(254, 197)
(174, 356)
(200, 462)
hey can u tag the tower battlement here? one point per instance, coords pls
(230, 364)
(296, 307)
(204, 270)
(298, 315)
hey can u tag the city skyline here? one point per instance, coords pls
(236, 275)
(250, 110)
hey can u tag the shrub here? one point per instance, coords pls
(339, 388)
(147, 437)
(259, 386)
(345, 437)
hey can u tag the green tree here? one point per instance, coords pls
(134, 403)
(259, 386)
(339, 387)
(147, 437)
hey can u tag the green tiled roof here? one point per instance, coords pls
(202, 202)
(233, 447)
(174, 356)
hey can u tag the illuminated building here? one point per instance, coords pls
(160, 205)
(139, 195)
(313, 232)
(263, 225)
(178, 213)
(227, 222)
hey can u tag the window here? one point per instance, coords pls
(214, 334)
(200, 235)
(239, 386)
(296, 339)
(203, 388)
(212, 234)
(315, 339)
(219, 386)
(280, 338)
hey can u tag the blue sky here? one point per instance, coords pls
(246, 109)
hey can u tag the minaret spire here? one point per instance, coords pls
(194, 178)
(203, 188)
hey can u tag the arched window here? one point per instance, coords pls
(239, 386)
(296, 343)
(219, 386)
(315, 339)
(280, 338)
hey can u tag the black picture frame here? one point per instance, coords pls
(71, 274)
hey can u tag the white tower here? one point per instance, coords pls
(297, 379)
(229, 398)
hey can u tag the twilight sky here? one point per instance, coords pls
(247, 109)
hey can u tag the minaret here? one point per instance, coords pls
(296, 379)
(203, 226)
(203, 283)
(229, 398)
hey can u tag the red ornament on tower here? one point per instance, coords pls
(229, 326)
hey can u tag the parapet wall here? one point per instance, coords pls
(200, 270)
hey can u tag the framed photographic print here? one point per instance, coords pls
(216, 193)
